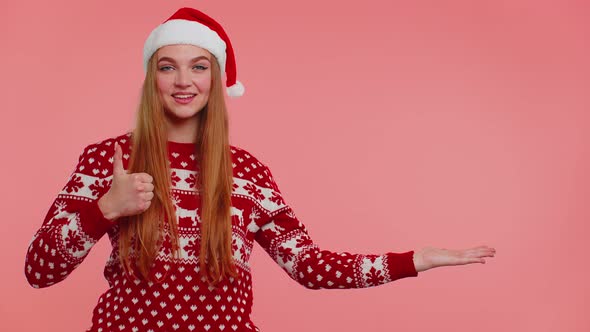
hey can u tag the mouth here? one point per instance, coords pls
(184, 98)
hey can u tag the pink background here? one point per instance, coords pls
(388, 125)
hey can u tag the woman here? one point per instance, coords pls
(183, 208)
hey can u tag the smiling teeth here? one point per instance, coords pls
(184, 96)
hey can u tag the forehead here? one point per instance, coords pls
(182, 51)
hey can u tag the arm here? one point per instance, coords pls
(73, 224)
(286, 240)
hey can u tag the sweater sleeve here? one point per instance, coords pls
(73, 224)
(287, 241)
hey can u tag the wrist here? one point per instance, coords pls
(106, 207)
(418, 262)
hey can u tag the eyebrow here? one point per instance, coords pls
(192, 60)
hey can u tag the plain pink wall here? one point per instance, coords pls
(389, 125)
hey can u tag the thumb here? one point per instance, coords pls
(118, 160)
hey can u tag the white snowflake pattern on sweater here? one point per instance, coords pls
(178, 298)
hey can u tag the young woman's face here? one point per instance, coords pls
(184, 79)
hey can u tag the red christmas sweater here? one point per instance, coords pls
(177, 298)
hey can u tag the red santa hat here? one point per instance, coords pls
(192, 27)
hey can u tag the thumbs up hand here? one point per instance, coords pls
(130, 194)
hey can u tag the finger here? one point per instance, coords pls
(144, 177)
(464, 261)
(481, 247)
(474, 260)
(490, 252)
(147, 187)
(479, 253)
(143, 186)
(118, 160)
(147, 196)
(146, 205)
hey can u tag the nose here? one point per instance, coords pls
(182, 78)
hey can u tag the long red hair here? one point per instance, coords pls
(141, 236)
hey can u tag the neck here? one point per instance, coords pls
(182, 130)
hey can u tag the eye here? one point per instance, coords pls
(165, 68)
(200, 67)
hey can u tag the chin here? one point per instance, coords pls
(181, 112)
(182, 115)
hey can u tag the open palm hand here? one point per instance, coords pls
(430, 257)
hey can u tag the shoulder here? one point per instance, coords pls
(107, 145)
(248, 167)
(96, 158)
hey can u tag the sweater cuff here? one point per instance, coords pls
(93, 221)
(401, 265)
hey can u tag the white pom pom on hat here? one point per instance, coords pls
(193, 27)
